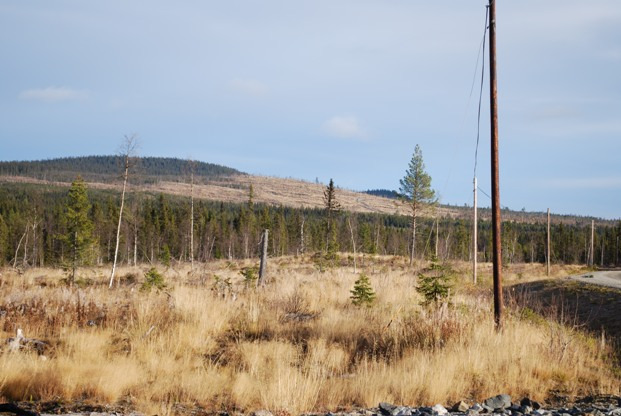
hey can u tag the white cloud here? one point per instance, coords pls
(610, 182)
(53, 94)
(249, 87)
(344, 127)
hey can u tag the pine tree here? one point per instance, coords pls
(79, 235)
(362, 293)
(416, 190)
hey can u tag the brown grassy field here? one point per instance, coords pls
(208, 341)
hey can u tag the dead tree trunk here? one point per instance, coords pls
(353, 242)
(263, 266)
(128, 149)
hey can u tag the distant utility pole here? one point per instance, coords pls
(475, 240)
(548, 247)
(437, 236)
(497, 255)
(592, 253)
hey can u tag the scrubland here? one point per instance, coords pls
(209, 340)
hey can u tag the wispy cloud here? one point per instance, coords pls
(249, 87)
(556, 113)
(609, 182)
(344, 127)
(54, 94)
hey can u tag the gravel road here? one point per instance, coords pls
(610, 278)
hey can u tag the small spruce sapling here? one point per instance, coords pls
(153, 279)
(434, 283)
(362, 293)
(251, 274)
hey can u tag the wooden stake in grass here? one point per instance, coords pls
(128, 149)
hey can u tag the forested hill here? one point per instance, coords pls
(109, 168)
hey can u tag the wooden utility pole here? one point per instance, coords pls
(263, 266)
(592, 253)
(548, 247)
(192, 215)
(497, 255)
(437, 236)
(475, 240)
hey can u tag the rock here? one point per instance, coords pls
(439, 410)
(461, 407)
(476, 408)
(500, 402)
(261, 412)
(386, 408)
(401, 411)
(530, 403)
(486, 408)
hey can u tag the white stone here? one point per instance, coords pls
(439, 410)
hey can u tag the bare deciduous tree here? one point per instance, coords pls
(128, 149)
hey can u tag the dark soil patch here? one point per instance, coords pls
(594, 308)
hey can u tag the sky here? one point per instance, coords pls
(320, 89)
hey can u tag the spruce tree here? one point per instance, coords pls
(332, 207)
(416, 191)
(79, 236)
(362, 293)
(435, 283)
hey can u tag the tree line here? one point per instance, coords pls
(38, 226)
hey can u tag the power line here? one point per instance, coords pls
(487, 195)
(482, 48)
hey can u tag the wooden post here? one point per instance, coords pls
(475, 240)
(497, 255)
(548, 252)
(263, 267)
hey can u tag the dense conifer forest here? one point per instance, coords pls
(108, 168)
(156, 229)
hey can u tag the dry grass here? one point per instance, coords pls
(298, 345)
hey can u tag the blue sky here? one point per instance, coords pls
(324, 89)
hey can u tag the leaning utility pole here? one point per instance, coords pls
(497, 255)
(475, 240)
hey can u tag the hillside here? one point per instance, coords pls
(108, 168)
(221, 183)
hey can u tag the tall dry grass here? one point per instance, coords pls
(298, 345)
